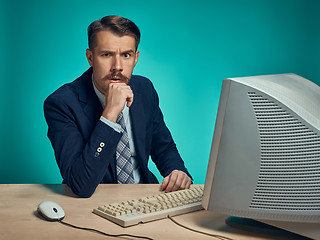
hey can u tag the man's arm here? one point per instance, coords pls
(82, 156)
(83, 149)
(165, 154)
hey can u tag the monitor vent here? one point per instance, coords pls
(289, 177)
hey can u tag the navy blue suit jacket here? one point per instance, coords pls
(72, 113)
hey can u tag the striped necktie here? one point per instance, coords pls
(123, 155)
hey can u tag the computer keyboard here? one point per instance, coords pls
(152, 208)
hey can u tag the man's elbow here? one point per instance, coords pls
(83, 192)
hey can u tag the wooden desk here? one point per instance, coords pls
(19, 219)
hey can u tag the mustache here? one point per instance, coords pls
(117, 75)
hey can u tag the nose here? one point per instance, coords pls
(117, 64)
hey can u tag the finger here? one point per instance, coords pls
(130, 100)
(189, 183)
(172, 182)
(186, 182)
(113, 86)
(164, 183)
(179, 184)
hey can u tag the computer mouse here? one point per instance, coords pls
(51, 211)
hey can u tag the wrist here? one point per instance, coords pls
(110, 116)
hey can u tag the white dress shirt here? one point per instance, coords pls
(117, 127)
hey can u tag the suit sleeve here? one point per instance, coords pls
(164, 151)
(83, 162)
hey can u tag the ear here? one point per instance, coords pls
(136, 58)
(89, 55)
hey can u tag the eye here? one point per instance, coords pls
(106, 54)
(127, 55)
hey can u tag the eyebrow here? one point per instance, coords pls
(129, 51)
(109, 51)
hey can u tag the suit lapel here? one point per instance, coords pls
(90, 102)
(138, 121)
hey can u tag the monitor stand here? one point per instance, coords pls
(254, 226)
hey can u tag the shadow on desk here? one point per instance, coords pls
(61, 189)
(243, 226)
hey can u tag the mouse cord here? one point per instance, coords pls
(211, 235)
(106, 234)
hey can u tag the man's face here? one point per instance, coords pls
(112, 59)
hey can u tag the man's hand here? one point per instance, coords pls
(176, 180)
(116, 97)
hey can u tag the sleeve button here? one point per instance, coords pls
(102, 144)
(99, 149)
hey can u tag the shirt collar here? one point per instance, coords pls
(99, 94)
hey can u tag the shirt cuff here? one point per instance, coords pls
(113, 125)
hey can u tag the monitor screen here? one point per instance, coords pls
(265, 156)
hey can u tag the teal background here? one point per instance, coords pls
(187, 49)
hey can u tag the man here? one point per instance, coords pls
(104, 125)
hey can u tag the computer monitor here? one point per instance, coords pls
(265, 156)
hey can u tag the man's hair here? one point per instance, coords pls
(117, 25)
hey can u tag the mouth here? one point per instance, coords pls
(115, 80)
(117, 77)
